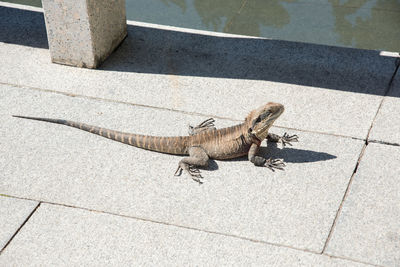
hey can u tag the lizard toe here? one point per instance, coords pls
(273, 164)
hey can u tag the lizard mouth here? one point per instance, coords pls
(264, 121)
(262, 132)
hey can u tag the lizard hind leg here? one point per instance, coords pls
(197, 158)
(204, 126)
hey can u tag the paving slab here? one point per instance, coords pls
(60, 236)
(369, 225)
(386, 127)
(221, 75)
(59, 164)
(13, 213)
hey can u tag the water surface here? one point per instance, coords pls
(369, 24)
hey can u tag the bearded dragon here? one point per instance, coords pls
(204, 141)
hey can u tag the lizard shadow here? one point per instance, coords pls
(290, 154)
(212, 165)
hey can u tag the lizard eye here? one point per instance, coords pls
(264, 115)
(256, 121)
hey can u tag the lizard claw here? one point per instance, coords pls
(197, 178)
(273, 164)
(205, 125)
(178, 171)
(193, 172)
(286, 139)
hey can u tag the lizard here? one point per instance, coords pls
(204, 141)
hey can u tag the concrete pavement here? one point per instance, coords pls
(69, 197)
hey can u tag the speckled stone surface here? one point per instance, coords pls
(323, 88)
(368, 228)
(295, 207)
(13, 213)
(84, 32)
(61, 236)
(386, 127)
(151, 85)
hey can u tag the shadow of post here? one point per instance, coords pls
(23, 27)
(157, 51)
(151, 50)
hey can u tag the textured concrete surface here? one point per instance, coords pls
(84, 32)
(206, 74)
(201, 94)
(159, 81)
(369, 226)
(60, 236)
(295, 207)
(387, 124)
(13, 213)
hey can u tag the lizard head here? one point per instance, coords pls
(260, 120)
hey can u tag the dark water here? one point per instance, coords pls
(369, 24)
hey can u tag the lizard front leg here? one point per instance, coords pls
(197, 158)
(270, 163)
(285, 139)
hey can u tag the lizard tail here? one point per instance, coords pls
(172, 145)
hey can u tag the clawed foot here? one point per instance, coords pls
(205, 125)
(193, 172)
(286, 139)
(273, 164)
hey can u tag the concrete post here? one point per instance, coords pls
(83, 33)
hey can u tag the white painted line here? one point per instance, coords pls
(187, 30)
(389, 54)
(24, 7)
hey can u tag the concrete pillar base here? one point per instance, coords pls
(83, 33)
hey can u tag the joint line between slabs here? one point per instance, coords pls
(382, 100)
(383, 142)
(350, 259)
(346, 193)
(179, 226)
(19, 228)
(165, 109)
(116, 101)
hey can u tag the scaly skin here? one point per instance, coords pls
(204, 141)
